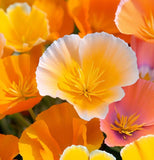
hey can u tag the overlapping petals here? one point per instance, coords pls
(8, 147)
(81, 152)
(132, 117)
(87, 72)
(94, 15)
(20, 26)
(54, 130)
(60, 21)
(18, 90)
(139, 149)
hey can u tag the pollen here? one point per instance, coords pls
(126, 125)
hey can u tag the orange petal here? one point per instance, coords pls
(8, 147)
(136, 18)
(58, 26)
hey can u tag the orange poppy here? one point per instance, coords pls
(18, 89)
(54, 130)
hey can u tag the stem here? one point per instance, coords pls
(20, 119)
(31, 112)
(5, 127)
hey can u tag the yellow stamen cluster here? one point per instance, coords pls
(78, 83)
(126, 125)
(22, 90)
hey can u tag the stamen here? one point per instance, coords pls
(77, 83)
(126, 125)
(22, 90)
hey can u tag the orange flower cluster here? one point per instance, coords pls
(77, 79)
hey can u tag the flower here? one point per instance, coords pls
(136, 17)
(132, 117)
(81, 152)
(8, 147)
(139, 149)
(54, 130)
(87, 72)
(60, 21)
(18, 91)
(20, 26)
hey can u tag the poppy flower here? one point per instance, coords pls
(136, 17)
(18, 89)
(54, 130)
(20, 26)
(132, 117)
(87, 72)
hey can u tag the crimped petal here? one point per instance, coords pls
(75, 153)
(112, 55)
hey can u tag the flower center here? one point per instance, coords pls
(22, 90)
(126, 125)
(148, 30)
(79, 83)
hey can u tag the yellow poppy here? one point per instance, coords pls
(20, 26)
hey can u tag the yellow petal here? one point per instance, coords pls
(139, 149)
(101, 155)
(75, 153)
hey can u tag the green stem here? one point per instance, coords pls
(20, 119)
(5, 127)
(31, 112)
